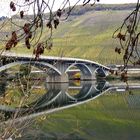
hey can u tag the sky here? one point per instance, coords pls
(4, 4)
(117, 1)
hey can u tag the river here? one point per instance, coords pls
(78, 110)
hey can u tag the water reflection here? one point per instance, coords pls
(59, 96)
(112, 110)
(3, 84)
(112, 116)
(54, 97)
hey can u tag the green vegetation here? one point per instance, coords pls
(88, 34)
(21, 89)
(111, 116)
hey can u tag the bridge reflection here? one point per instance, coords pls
(62, 96)
(59, 96)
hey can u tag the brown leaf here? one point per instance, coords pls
(56, 22)
(12, 6)
(121, 36)
(118, 50)
(8, 45)
(21, 14)
(27, 43)
(38, 50)
(26, 28)
(30, 35)
(59, 12)
(12, 42)
(49, 24)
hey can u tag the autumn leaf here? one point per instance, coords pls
(21, 14)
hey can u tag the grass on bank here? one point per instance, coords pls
(111, 116)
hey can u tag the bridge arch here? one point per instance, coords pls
(101, 72)
(87, 91)
(46, 99)
(40, 65)
(85, 70)
(83, 93)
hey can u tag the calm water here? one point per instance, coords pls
(77, 110)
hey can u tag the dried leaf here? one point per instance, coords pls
(49, 24)
(38, 50)
(56, 22)
(59, 12)
(26, 28)
(21, 14)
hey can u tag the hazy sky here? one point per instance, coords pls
(4, 4)
(118, 1)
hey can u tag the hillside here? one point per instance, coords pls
(88, 33)
(89, 36)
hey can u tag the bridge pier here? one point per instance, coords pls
(100, 72)
(87, 77)
(55, 78)
(58, 78)
(57, 86)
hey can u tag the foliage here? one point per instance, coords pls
(25, 70)
(128, 35)
(29, 30)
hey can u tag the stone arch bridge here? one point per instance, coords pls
(56, 67)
